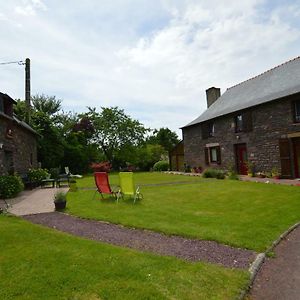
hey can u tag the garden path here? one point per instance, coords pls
(148, 241)
(279, 277)
(39, 200)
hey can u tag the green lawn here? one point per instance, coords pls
(242, 214)
(141, 178)
(40, 263)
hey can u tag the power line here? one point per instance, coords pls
(19, 62)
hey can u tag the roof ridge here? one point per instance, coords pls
(286, 62)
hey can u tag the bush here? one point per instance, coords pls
(10, 186)
(162, 165)
(37, 175)
(54, 172)
(233, 176)
(214, 173)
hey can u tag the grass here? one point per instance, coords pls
(141, 178)
(40, 263)
(243, 214)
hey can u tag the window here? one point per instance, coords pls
(213, 155)
(243, 122)
(297, 111)
(211, 129)
(239, 123)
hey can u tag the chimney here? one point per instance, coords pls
(212, 94)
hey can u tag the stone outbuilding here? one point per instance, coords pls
(255, 123)
(18, 141)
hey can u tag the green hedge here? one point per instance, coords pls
(10, 186)
(161, 165)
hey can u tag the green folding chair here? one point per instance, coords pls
(127, 187)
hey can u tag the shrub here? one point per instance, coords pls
(161, 165)
(54, 172)
(37, 175)
(233, 176)
(10, 186)
(214, 173)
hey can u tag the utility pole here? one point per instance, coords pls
(27, 90)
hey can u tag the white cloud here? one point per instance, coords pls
(155, 60)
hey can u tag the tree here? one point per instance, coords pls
(116, 133)
(49, 105)
(164, 137)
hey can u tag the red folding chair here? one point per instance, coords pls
(102, 184)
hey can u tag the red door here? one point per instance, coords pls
(241, 158)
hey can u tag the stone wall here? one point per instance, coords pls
(22, 146)
(271, 121)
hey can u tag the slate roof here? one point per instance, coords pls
(19, 122)
(281, 81)
(5, 96)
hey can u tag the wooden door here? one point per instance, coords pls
(241, 158)
(297, 157)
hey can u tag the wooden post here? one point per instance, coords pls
(27, 89)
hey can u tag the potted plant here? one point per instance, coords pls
(60, 200)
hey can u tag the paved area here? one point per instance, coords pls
(271, 180)
(149, 241)
(247, 178)
(33, 202)
(279, 277)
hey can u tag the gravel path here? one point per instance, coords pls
(279, 277)
(144, 240)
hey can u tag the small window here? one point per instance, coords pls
(239, 123)
(211, 129)
(297, 111)
(213, 155)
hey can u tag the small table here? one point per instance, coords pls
(63, 179)
(46, 181)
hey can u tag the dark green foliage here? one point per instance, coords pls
(164, 137)
(146, 156)
(10, 186)
(214, 173)
(48, 105)
(116, 133)
(37, 175)
(233, 176)
(162, 165)
(54, 172)
(78, 140)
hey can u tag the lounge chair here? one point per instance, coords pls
(127, 187)
(102, 184)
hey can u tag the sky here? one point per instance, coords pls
(152, 58)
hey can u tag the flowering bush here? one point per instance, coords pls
(37, 175)
(10, 186)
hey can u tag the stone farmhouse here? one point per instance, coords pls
(18, 141)
(254, 123)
